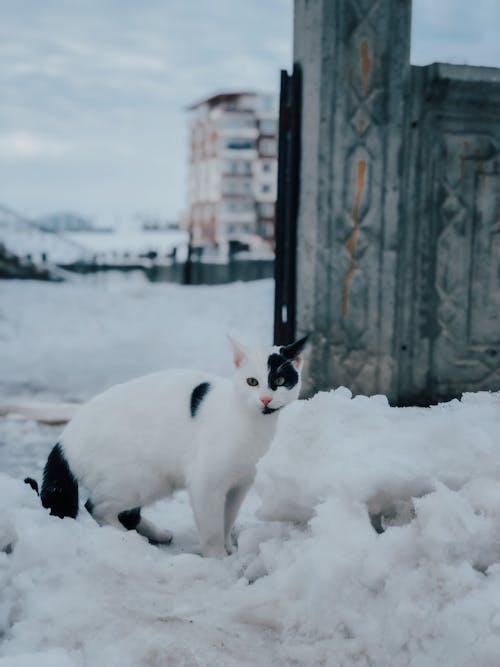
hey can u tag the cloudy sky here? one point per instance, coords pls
(93, 92)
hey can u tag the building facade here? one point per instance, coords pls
(232, 168)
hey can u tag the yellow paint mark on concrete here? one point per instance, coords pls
(365, 64)
(351, 242)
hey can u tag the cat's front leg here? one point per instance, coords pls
(208, 508)
(234, 498)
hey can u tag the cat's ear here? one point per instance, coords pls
(294, 351)
(239, 351)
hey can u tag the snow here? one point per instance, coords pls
(425, 592)
(45, 413)
(312, 582)
(72, 340)
(22, 238)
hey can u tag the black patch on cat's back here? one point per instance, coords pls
(197, 396)
(280, 366)
(59, 488)
(130, 519)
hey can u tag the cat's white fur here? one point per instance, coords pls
(137, 443)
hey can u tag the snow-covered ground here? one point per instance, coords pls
(70, 341)
(312, 582)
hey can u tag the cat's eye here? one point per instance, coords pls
(280, 381)
(253, 382)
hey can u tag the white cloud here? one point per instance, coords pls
(456, 31)
(23, 145)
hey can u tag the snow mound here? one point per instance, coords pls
(378, 545)
(424, 592)
(363, 450)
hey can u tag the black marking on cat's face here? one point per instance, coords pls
(269, 411)
(293, 350)
(281, 367)
(197, 396)
(59, 488)
(130, 519)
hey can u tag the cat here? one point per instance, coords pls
(142, 440)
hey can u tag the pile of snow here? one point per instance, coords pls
(371, 538)
(327, 589)
(425, 591)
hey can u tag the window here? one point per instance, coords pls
(266, 188)
(266, 103)
(238, 206)
(268, 127)
(238, 167)
(266, 210)
(267, 147)
(238, 122)
(266, 166)
(236, 186)
(240, 144)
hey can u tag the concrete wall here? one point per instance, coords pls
(448, 318)
(398, 232)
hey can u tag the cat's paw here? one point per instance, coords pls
(214, 552)
(231, 545)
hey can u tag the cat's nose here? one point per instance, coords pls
(266, 400)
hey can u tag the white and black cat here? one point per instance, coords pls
(140, 441)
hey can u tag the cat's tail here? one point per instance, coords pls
(59, 487)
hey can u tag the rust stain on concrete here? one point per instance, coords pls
(365, 64)
(351, 242)
(361, 126)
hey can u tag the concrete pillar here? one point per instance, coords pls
(354, 56)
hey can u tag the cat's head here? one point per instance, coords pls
(268, 378)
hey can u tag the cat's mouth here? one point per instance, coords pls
(268, 411)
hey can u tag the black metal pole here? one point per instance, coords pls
(287, 207)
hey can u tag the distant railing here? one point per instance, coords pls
(197, 271)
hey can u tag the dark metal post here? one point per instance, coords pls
(287, 207)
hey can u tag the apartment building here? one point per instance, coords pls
(233, 168)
